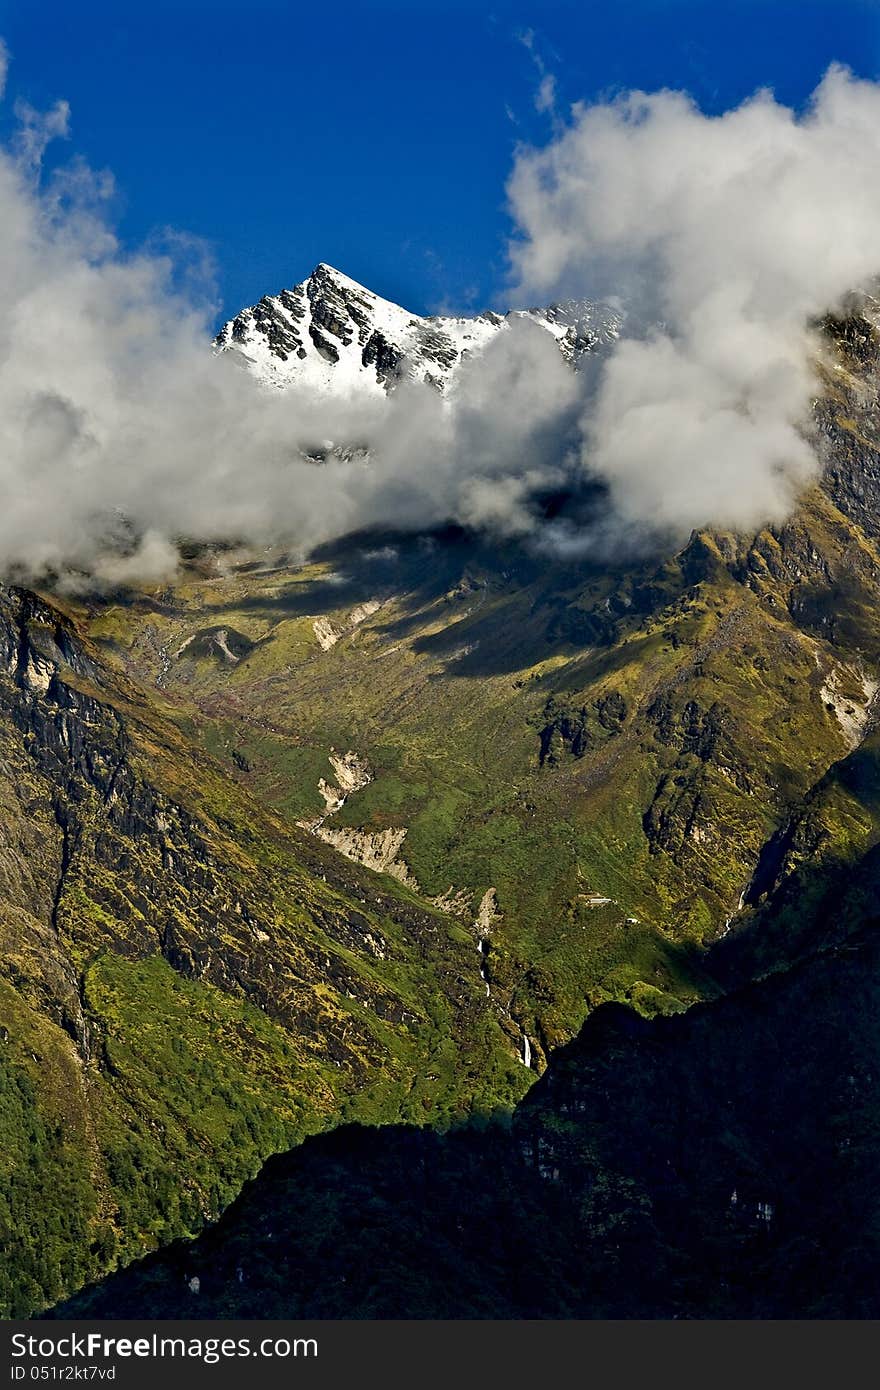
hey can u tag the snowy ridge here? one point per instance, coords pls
(331, 334)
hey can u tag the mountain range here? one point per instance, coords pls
(382, 838)
(330, 334)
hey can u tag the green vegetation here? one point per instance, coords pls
(51, 1233)
(639, 783)
(190, 984)
(716, 1164)
(558, 733)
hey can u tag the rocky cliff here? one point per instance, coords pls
(329, 333)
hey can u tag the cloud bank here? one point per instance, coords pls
(121, 431)
(726, 236)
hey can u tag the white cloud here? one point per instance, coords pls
(120, 430)
(36, 130)
(545, 97)
(726, 235)
(545, 94)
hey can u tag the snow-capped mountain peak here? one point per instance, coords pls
(332, 334)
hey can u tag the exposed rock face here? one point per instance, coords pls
(352, 774)
(851, 694)
(352, 771)
(847, 418)
(487, 912)
(377, 850)
(329, 633)
(333, 334)
(458, 902)
(577, 730)
(326, 633)
(386, 357)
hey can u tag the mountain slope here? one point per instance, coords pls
(608, 749)
(330, 334)
(356, 839)
(187, 984)
(717, 1164)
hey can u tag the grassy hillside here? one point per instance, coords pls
(718, 1164)
(188, 983)
(282, 846)
(610, 750)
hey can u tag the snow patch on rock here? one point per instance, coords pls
(332, 335)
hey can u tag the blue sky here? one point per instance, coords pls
(377, 136)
